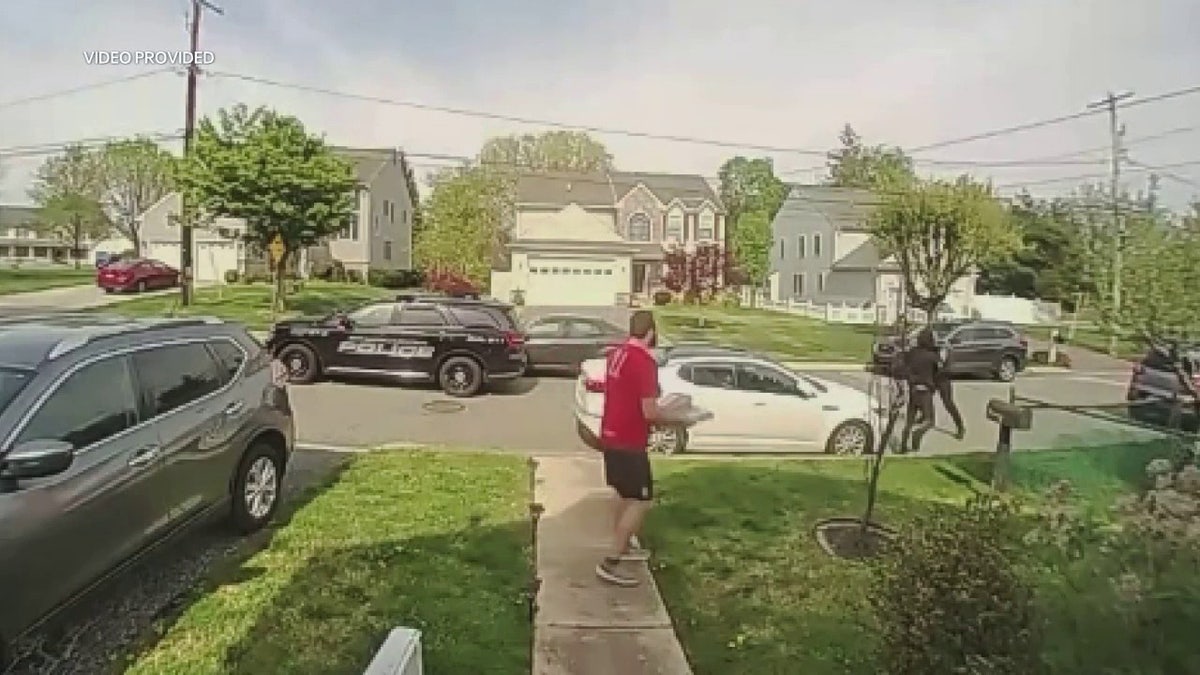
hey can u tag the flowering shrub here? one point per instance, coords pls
(449, 282)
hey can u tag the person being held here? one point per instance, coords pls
(631, 395)
(921, 365)
(945, 390)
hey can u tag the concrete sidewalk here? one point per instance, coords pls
(585, 626)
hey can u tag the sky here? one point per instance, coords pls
(770, 73)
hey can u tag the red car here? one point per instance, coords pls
(136, 275)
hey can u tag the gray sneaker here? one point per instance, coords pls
(607, 570)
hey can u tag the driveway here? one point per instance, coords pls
(69, 299)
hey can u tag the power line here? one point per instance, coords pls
(1187, 91)
(82, 88)
(1162, 171)
(54, 148)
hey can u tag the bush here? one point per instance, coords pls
(354, 276)
(948, 597)
(396, 279)
(256, 278)
(450, 283)
(231, 276)
(663, 297)
(518, 297)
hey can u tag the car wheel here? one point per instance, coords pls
(668, 440)
(141, 287)
(460, 376)
(1006, 371)
(301, 363)
(850, 438)
(256, 488)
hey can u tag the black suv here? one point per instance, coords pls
(114, 434)
(459, 343)
(1155, 389)
(993, 348)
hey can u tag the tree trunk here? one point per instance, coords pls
(281, 282)
(76, 240)
(135, 238)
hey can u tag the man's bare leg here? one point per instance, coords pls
(634, 514)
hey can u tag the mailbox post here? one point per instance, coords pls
(1009, 416)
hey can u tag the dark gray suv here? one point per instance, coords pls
(995, 349)
(115, 433)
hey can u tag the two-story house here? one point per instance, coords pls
(823, 253)
(596, 239)
(378, 236)
(22, 240)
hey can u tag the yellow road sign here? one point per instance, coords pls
(276, 249)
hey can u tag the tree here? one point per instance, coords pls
(751, 247)
(858, 165)
(1052, 263)
(548, 151)
(463, 220)
(939, 232)
(750, 185)
(67, 189)
(410, 181)
(265, 168)
(137, 173)
(697, 274)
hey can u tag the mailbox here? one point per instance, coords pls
(1009, 414)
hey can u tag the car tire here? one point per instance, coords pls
(853, 437)
(303, 366)
(668, 441)
(257, 488)
(1006, 370)
(141, 287)
(460, 376)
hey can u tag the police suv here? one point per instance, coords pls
(461, 343)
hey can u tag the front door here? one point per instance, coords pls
(639, 277)
(70, 528)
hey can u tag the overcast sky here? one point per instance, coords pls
(779, 73)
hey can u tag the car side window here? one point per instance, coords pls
(93, 404)
(583, 329)
(473, 317)
(229, 356)
(421, 316)
(764, 380)
(545, 329)
(716, 376)
(373, 315)
(175, 375)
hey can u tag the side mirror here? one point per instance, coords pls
(37, 459)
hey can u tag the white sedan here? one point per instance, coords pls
(757, 404)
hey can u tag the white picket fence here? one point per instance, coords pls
(832, 312)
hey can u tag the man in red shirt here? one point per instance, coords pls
(630, 407)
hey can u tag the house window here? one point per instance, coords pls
(639, 227)
(820, 277)
(707, 230)
(675, 225)
(798, 284)
(387, 250)
(781, 249)
(817, 245)
(800, 247)
(404, 216)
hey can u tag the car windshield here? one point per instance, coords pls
(12, 381)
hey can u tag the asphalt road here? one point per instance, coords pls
(68, 299)
(535, 414)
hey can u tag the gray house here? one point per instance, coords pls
(823, 254)
(378, 236)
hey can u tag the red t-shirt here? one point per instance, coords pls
(631, 377)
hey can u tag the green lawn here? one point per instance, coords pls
(440, 542)
(748, 587)
(251, 303)
(28, 279)
(1096, 339)
(785, 336)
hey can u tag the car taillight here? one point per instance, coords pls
(513, 339)
(1024, 342)
(593, 385)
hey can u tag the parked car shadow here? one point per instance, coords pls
(119, 618)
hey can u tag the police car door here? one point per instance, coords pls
(368, 342)
(418, 331)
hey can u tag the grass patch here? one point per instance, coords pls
(784, 336)
(750, 590)
(250, 304)
(434, 541)
(1096, 339)
(30, 279)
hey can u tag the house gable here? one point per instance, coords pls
(571, 223)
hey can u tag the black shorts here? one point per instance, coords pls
(628, 472)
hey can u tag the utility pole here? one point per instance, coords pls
(186, 241)
(1115, 131)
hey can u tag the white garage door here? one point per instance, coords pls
(212, 258)
(582, 282)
